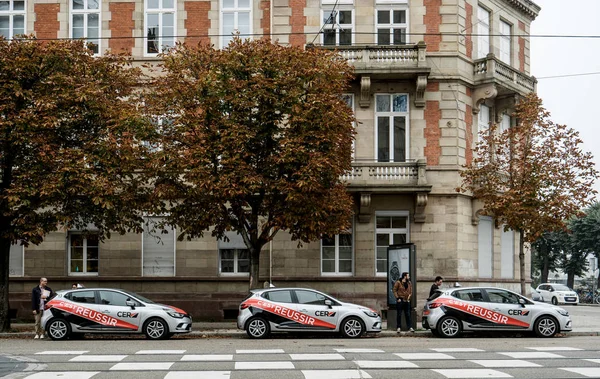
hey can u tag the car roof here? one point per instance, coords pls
(91, 289)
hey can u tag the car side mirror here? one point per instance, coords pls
(130, 303)
(329, 303)
(522, 302)
(551, 289)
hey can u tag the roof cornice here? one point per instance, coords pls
(527, 7)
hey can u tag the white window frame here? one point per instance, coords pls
(16, 249)
(505, 123)
(160, 11)
(173, 231)
(391, 114)
(84, 271)
(333, 2)
(507, 254)
(236, 10)
(483, 121)
(483, 32)
(325, 12)
(11, 13)
(349, 98)
(485, 249)
(336, 259)
(505, 45)
(391, 25)
(86, 13)
(390, 232)
(237, 244)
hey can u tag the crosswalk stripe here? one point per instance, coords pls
(267, 351)
(316, 357)
(142, 366)
(198, 374)
(207, 357)
(554, 348)
(423, 356)
(98, 358)
(456, 350)
(590, 372)
(63, 375)
(166, 352)
(335, 374)
(385, 364)
(359, 350)
(531, 355)
(62, 352)
(472, 373)
(281, 365)
(505, 363)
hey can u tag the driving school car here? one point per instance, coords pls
(448, 313)
(72, 313)
(303, 310)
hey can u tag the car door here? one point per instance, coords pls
(118, 316)
(469, 306)
(544, 294)
(82, 311)
(320, 316)
(512, 314)
(280, 310)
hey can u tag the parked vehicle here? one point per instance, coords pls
(72, 313)
(557, 294)
(535, 295)
(303, 310)
(450, 312)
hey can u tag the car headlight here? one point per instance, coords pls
(369, 312)
(562, 312)
(175, 314)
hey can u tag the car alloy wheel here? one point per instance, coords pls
(449, 327)
(554, 301)
(59, 329)
(352, 327)
(257, 328)
(155, 329)
(546, 326)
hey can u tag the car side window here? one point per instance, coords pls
(283, 296)
(310, 297)
(502, 297)
(114, 298)
(87, 297)
(468, 294)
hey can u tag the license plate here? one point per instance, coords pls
(569, 299)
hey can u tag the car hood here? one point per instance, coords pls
(548, 306)
(166, 307)
(358, 307)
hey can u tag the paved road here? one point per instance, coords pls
(308, 358)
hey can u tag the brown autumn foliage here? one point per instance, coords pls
(254, 139)
(531, 177)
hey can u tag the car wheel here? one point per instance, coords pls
(449, 327)
(156, 329)
(258, 327)
(554, 301)
(352, 327)
(58, 329)
(546, 326)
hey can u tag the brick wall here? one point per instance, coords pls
(265, 21)
(46, 25)
(121, 26)
(522, 48)
(197, 22)
(432, 20)
(469, 130)
(468, 27)
(433, 114)
(298, 20)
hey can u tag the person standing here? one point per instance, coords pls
(39, 296)
(403, 291)
(436, 285)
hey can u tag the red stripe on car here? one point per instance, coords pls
(90, 314)
(481, 312)
(288, 313)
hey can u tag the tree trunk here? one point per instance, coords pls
(4, 272)
(570, 279)
(522, 262)
(546, 263)
(254, 267)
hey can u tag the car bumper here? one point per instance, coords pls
(373, 324)
(566, 325)
(183, 325)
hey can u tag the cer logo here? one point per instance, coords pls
(517, 312)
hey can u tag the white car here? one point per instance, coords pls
(557, 294)
(303, 310)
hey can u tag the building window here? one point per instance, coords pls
(83, 253)
(349, 100)
(504, 123)
(85, 22)
(337, 27)
(391, 26)
(12, 18)
(507, 254)
(337, 254)
(485, 234)
(505, 41)
(158, 248)
(160, 25)
(392, 141)
(234, 257)
(483, 121)
(16, 260)
(236, 17)
(391, 228)
(483, 32)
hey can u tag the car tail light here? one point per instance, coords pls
(435, 305)
(244, 305)
(425, 313)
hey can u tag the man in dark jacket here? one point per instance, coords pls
(436, 285)
(403, 291)
(39, 296)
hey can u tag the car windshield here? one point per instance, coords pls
(142, 298)
(560, 287)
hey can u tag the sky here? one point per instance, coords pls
(574, 101)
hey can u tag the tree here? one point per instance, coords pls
(546, 251)
(68, 150)
(532, 176)
(254, 139)
(586, 231)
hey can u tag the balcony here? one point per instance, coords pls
(508, 79)
(389, 177)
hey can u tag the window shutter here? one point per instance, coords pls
(486, 235)
(15, 266)
(158, 249)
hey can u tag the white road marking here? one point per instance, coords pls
(359, 350)
(420, 356)
(385, 364)
(472, 373)
(63, 375)
(267, 351)
(198, 374)
(505, 363)
(335, 374)
(590, 372)
(98, 358)
(554, 348)
(316, 357)
(593, 360)
(207, 357)
(160, 352)
(62, 352)
(456, 349)
(142, 366)
(531, 355)
(281, 365)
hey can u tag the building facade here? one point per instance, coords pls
(430, 76)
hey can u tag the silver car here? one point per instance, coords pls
(72, 313)
(303, 310)
(450, 312)
(557, 294)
